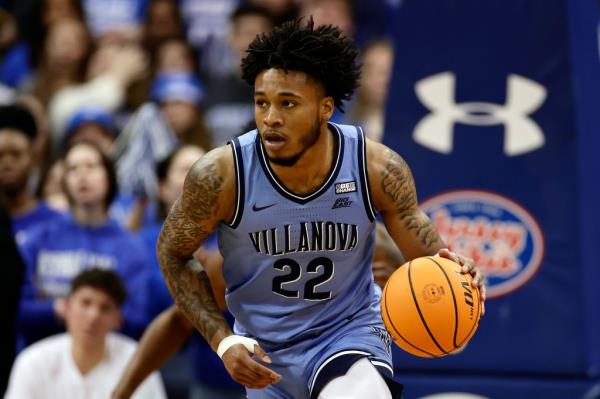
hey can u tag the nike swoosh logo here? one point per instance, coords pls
(260, 208)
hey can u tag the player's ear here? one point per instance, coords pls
(327, 107)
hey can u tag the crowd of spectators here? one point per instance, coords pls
(104, 107)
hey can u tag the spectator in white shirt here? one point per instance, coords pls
(87, 361)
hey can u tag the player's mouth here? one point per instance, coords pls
(273, 141)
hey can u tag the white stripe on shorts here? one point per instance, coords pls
(342, 353)
(383, 364)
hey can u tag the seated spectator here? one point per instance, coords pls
(92, 124)
(87, 360)
(156, 129)
(368, 107)
(175, 55)
(113, 67)
(62, 59)
(163, 22)
(17, 132)
(55, 252)
(206, 29)
(229, 103)
(33, 21)
(179, 95)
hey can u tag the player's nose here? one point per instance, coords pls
(273, 117)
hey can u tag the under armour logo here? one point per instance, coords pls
(523, 97)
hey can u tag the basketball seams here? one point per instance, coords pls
(453, 299)
(391, 324)
(412, 291)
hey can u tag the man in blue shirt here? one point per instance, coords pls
(17, 131)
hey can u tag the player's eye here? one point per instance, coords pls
(288, 104)
(261, 103)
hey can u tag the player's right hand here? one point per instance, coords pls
(245, 370)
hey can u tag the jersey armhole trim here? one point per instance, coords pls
(364, 174)
(239, 182)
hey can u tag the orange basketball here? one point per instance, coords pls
(429, 307)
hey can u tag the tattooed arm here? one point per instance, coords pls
(207, 199)
(395, 197)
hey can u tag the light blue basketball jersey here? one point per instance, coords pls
(296, 266)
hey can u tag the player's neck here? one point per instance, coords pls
(87, 354)
(313, 167)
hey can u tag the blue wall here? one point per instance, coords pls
(495, 105)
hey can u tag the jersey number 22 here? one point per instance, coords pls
(295, 273)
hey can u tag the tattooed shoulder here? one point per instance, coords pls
(202, 189)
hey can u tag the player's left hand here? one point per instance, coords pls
(468, 266)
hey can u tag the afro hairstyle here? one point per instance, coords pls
(19, 118)
(322, 52)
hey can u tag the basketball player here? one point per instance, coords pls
(294, 204)
(171, 329)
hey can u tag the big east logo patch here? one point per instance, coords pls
(499, 234)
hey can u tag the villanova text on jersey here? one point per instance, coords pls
(313, 237)
(297, 265)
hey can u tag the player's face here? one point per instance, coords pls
(85, 176)
(290, 110)
(91, 313)
(15, 160)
